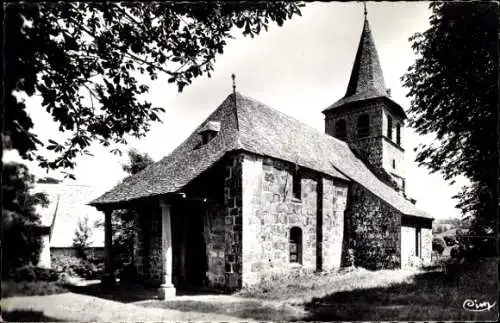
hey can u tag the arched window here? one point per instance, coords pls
(364, 125)
(389, 127)
(296, 245)
(340, 129)
(398, 134)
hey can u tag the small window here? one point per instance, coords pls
(394, 163)
(297, 184)
(389, 127)
(296, 245)
(418, 242)
(364, 125)
(398, 134)
(340, 129)
(207, 136)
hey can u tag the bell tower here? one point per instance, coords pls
(367, 118)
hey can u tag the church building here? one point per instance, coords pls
(253, 192)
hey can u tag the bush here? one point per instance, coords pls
(29, 288)
(438, 245)
(74, 266)
(450, 241)
(31, 273)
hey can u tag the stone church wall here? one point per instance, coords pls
(374, 230)
(233, 222)
(270, 211)
(334, 202)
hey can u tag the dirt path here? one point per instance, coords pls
(77, 308)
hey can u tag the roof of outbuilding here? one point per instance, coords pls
(253, 127)
(68, 204)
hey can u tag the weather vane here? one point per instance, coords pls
(364, 6)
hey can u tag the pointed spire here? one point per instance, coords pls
(366, 75)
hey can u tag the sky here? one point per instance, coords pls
(299, 69)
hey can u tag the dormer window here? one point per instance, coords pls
(209, 131)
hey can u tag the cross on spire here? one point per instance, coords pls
(234, 82)
(364, 6)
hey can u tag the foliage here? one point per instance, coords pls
(81, 240)
(450, 241)
(124, 221)
(454, 89)
(85, 59)
(48, 180)
(32, 273)
(77, 267)
(21, 239)
(29, 288)
(438, 245)
(137, 162)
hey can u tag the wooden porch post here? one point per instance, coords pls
(108, 277)
(166, 235)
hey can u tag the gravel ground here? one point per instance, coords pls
(77, 308)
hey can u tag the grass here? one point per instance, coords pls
(29, 288)
(349, 295)
(388, 295)
(303, 288)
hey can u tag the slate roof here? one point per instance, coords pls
(68, 203)
(254, 127)
(367, 79)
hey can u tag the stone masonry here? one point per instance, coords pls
(334, 205)
(270, 211)
(233, 222)
(374, 230)
(376, 148)
(247, 229)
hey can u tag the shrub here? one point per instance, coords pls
(450, 241)
(438, 245)
(28, 288)
(31, 273)
(74, 266)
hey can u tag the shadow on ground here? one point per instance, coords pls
(244, 309)
(27, 316)
(130, 293)
(432, 295)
